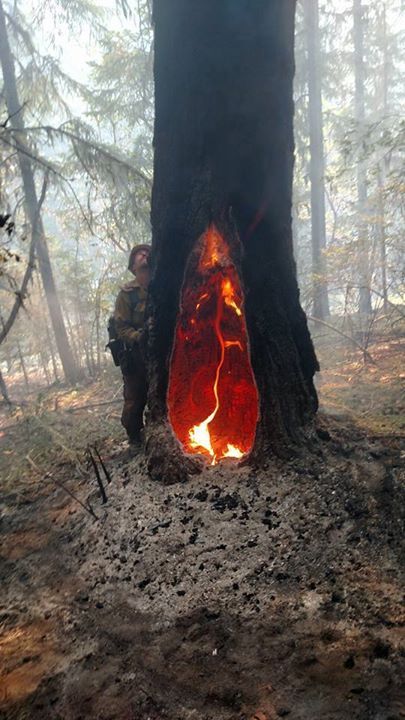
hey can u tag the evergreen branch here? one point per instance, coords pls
(345, 335)
(52, 169)
(25, 36)
(75, 13)
(10, 117)
(21, 294)
(6, 159)
(107, 154)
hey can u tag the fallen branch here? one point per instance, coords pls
(99, 480)
(21, 293)
(106, 473)
(87, 507)
(91, 405)
(69, 452)
(343, 334)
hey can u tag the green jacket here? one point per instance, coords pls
(129, 312)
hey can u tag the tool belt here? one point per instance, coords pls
(128, 357)
(114, 345)
(131, 359)
(117, 349)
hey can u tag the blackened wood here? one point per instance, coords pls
(224, 154)
(98, 478)
(106, 472)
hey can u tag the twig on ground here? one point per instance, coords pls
(106, 473)
(99, 480)
(343, 334)
(70, 453)
(91, 405)
(87, 507)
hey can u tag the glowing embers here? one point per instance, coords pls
(212, 397)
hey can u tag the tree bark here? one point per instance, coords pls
(359, 114)
(73, 343)
(317, 161)
(23, 366)
(31, 202)
(224, 155)
(3, 389)
(383, 165)
(21, 294)
(52, 354)
(44, 363)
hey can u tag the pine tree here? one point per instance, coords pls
(317, 161)
(31, 201)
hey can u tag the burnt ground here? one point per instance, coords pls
(241, 594)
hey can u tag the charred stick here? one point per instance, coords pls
(106, 473)
(99, 480)
(87, 507)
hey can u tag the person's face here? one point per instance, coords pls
(140, 266)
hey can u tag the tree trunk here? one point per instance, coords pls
(3, 389)
(31, 201)
(97, 330)
(23, 366)
(359, 113)
(52, 354)
(317, 162)
(44, 363)
(6, 348)
(76, 354)
(224, 158)
(383, 165)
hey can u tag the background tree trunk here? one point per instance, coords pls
(224, 155)
(52, 354)
(31, 202)
(384, 164)
(359, 114)
(3, 390)
(23, 366)
(317, 161)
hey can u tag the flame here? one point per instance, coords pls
(200, 434)
(211, 341)
(228, 294)
(233, 451)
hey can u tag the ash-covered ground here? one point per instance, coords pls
(241, 594)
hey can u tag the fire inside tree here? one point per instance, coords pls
(221, 219)
(212, 398)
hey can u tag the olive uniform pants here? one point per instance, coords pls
(135, 392)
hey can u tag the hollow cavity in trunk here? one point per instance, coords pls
(212, 395)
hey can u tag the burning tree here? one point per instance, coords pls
(231, 358)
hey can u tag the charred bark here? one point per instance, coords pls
(224, 155)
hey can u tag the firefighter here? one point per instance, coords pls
(129, 320)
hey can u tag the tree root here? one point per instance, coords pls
(166, 461)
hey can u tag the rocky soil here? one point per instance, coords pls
(242, 594)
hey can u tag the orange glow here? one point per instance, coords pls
(212, 396)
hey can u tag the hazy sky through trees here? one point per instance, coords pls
(98, 199)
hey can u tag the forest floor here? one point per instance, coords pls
(242, 594)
